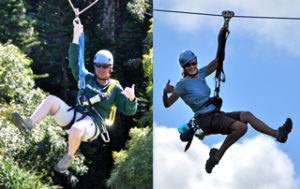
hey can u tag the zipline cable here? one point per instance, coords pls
(236, 16)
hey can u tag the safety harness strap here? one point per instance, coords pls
(82, 71)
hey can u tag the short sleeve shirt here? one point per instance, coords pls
(195, 92)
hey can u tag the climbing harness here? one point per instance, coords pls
(187, 131)
(99, 97)
(83, 101)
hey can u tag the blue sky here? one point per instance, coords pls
(262, 63)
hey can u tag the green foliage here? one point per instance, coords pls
(42, 150)
(148, 69)
(16, 26)
(54, 24)
(145, 97)
(133, 167)
(12, 177)
(138, 8)
(16, 78)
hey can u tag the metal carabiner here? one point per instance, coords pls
(105, 135)
(76, 19)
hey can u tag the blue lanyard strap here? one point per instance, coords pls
(82, 71)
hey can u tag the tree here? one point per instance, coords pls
(135, 164)
(38, 153)
(16, 26)
(54, 24)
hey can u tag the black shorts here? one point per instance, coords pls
(217, 122)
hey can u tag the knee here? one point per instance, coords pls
(52, 102)
(246, 116)
(243, 128)
(76, 130)
(239, 128)
(52, 99)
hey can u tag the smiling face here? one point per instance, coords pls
(191, 67)
(102, 71)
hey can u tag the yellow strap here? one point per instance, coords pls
(112, 114)
(112, 84)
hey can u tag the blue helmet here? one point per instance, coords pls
(186, 56)
(104, 57)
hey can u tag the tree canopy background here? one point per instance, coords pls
(34, 37)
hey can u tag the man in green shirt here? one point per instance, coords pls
(81, 125)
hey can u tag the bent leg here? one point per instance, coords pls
(257, 124)
(84, 130)
(75, 135)
(238, 129)
(49, 106)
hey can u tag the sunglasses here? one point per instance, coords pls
(104, 66)
(190, 64)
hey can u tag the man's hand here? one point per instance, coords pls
(129, 92)
(78, 28)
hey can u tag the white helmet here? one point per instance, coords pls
(104, 57)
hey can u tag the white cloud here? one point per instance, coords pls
(254, 163)
(283, 34)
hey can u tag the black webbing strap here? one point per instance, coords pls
(220, 74)
(221, 57)
(96, 130)
(69, 125)
(191, 136)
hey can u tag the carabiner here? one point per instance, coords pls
(105, 135)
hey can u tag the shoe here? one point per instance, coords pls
(211, 162)
(63, 165)
(24, 125)
(284, 130)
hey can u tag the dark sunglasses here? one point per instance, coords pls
(102, 65)
(190, 64)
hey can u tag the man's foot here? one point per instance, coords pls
(24, 125)
(212, 161)
(64, 163)
(284, 130)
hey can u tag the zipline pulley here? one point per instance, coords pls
(77, 12)
(227, 15)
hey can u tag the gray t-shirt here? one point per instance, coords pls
(194, 92)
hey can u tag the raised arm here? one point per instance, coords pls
(76, 33)
(74, 50)
(212, 66)
(169, 100)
